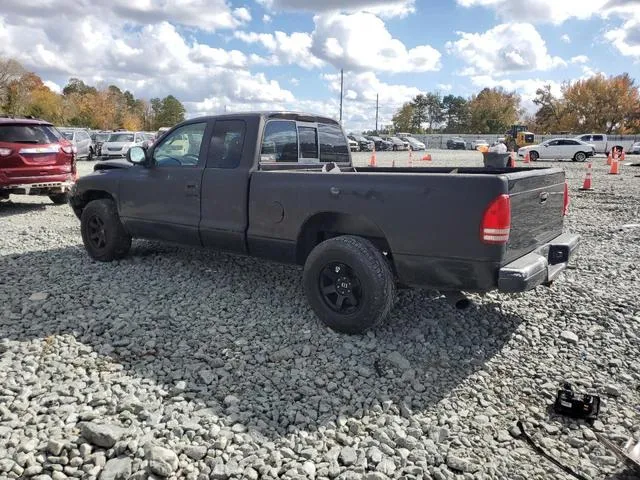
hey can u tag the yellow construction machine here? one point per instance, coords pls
(517, 137)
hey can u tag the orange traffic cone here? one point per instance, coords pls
(609, 159)
(622, 156)
(586, 186)
(512, 161)
(615, 167)
(426, 157)
(372, 161)
(527, 158)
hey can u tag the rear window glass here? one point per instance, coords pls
(333, 145)
(598, 138)
(308, 142)
(280, 143)
(121, 137)
(227, 142)
(67, 134)
(101, 137)
(36, 134)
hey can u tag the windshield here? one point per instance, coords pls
(101, 137)
(68, 134)
(36, 134)
(121, 137)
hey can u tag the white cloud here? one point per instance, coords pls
(445, 87)
(294, 81)
(510, 47)
(361, 41)
(153, 61)
(285, 49)
(205, 14)
(579, 59)
(384, 8)
(53, 86)
(627, 38)
(554, 11)
(565, 38)
(266, 18)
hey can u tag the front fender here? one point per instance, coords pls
(99, 184)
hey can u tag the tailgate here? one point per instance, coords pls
(537, 209)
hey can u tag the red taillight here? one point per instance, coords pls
(5, 152)
(565, 209)
(496, 222)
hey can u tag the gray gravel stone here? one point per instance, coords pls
(461, 464)
(162, 461)
(569, 337)
(348, 456)
(117, 469)
(102, 435)
(195, 452)
(55, 446)
(398, 360)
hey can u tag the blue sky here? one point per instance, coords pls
(218, 55)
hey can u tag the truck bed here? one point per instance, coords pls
(428, 218)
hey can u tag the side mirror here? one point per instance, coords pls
(136, 155)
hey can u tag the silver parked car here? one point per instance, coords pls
(81, 140)
(119, 143)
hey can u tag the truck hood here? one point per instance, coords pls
(111, 165)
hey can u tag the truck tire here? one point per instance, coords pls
(349, 284)
(103, 235)
(579, 157)
(59, 198)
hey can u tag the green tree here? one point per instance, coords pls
(403, 119)
(493, 110)
(427, 111)
(168, 112)
(456, 114)
(77, 86)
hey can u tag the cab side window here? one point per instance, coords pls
(280, 142)
(181, 148)
(333, 144)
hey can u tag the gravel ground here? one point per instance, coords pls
(184, 363)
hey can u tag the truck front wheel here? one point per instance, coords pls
(349, 284)
(103, 235)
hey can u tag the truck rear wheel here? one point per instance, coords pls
(349, 284)
(103, 235)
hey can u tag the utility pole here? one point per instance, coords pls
(376, 113)
(341, 92)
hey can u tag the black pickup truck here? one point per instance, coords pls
(281, 186)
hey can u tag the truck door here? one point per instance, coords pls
(162, 200)
(225, 185)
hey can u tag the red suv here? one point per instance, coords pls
(35, 159)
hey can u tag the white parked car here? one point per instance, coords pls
(559, 149)
(81, 139)
(635, 148)
(479, 143)
(413, 143)
(353, 145)
(119, 143)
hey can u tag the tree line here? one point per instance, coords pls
(23, 93)
(597, 104)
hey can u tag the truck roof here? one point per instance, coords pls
(276, 115)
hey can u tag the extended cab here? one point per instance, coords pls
(281, 186)
(35, 159)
